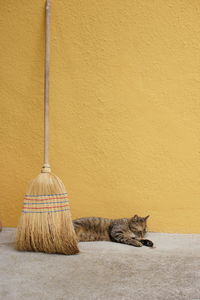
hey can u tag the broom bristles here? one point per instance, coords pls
(45, 224)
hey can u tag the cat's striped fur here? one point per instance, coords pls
(129, 231)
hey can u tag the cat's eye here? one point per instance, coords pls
(135, 229)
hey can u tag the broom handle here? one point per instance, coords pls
(46, 166)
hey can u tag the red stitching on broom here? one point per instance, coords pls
(45, 207)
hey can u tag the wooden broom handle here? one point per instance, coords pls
(46, 166)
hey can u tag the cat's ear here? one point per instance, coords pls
(135, 218)
(146, 217)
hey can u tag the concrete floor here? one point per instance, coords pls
(104, 271)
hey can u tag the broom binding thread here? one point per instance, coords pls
(46, 168)
(44, 203)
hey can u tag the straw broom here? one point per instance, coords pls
(45, 224)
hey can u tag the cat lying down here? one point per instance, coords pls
(130, 231)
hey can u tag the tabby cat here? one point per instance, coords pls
(128, 231)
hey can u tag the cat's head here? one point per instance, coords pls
(138, 226)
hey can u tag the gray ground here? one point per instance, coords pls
(104, 271)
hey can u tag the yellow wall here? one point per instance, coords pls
(125, 107)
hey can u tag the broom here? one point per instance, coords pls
(45, 224)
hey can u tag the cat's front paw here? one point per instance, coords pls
(137, 243)
(147, 243)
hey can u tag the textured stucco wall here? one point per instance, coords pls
(125, 107)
